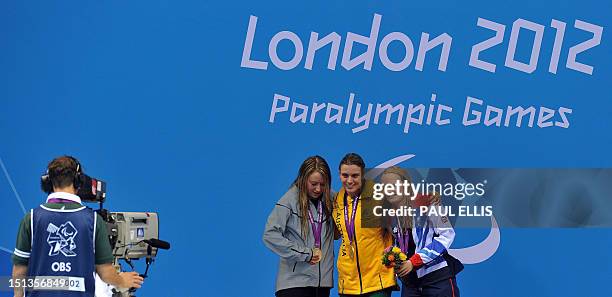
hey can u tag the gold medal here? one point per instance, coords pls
(317, 251)
(351, 251)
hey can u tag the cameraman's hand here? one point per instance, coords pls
(108, 273)
(131, 280)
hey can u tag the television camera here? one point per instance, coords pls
(132, 235)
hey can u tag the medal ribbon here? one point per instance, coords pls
(403, 239)
(350, 224)
(318, 225)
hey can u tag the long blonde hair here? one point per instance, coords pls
(404, 176)
(309, 166)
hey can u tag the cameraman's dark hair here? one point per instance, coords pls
(353, 159)
(62, 171)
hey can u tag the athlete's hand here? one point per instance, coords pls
(131, 280)
(316, 256)
(404, 269)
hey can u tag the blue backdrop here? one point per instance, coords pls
(150, 96)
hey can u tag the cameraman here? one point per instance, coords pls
(63, 238)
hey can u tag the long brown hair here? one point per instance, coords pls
(309, 166)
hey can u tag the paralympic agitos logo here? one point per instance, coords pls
(468, 255)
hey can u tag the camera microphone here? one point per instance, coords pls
(156, 243)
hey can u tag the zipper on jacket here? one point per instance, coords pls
(358, 268)
(319, 274)
(321, 247)
(294, 266)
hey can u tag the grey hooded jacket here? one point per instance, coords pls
(282, 235)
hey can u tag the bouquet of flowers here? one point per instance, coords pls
(394, 257)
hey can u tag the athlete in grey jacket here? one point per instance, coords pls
(300, 232)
